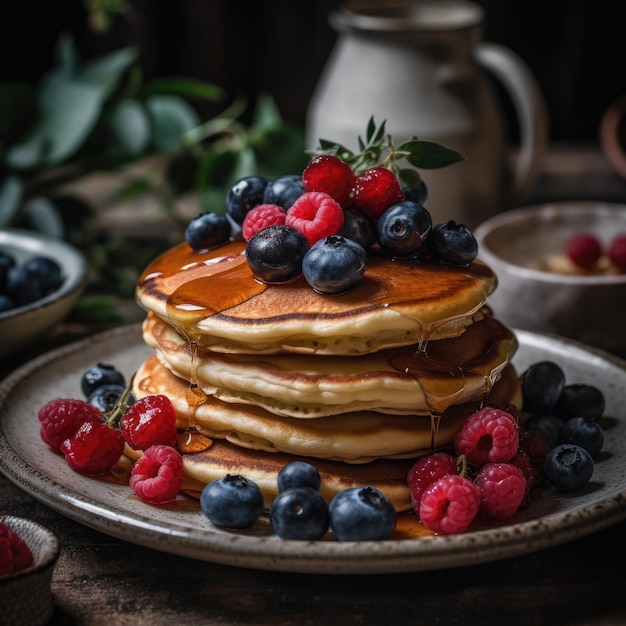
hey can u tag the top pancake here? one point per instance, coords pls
(212, 298)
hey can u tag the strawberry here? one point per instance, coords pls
(331, 175)
(375, 190)
(316, 215)
(94, 449)
(150, 420)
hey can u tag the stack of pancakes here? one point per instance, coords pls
(359, 384)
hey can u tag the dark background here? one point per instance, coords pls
(574, 47)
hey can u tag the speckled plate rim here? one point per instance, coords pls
(108, 507)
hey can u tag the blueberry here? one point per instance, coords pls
(453, 244)
(547, 425)
(207, 230)
(299, 513)
(568, 467)
(358, 227)
(275, 253)
(284, 190)
(98, 375)
(232, 501)
(404, 228)
(6, 303)
(541, 385)
(23, 287)
(245, 194)
(581, 400)
(7, 261)
(584, 432)
(334, 264)
(46, 270)
(362, 514)
(418, 194)
(105, 397)
(298, 474)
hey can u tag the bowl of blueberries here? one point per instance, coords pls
(41, 279)
(561, 269)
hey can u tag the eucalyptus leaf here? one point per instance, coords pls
(130, 128)
(184, 87)
(68, 112)
(11, 192)
(428, 155)
(107, 71)
(44, 217)
(266, 114)
(171, 118)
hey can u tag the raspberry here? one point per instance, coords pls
(15, 555)
(617, 252)
(149, 421)
(583, 250)
(449, 505)
(94, 449)
(316, 215)
(521, 461)
(536, 447)
(261, 217)
(62, 417)
(426, 471)
(157, 475)
(503, 489)
(331, 175)
(488, 435)
(375, 190)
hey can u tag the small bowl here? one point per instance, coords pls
(26, 596)
(590, 308)
(24, 325)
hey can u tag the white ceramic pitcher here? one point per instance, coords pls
(420, 66)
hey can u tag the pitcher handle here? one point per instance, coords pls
(529, 105)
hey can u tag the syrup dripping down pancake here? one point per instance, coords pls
(358, 437)
(398, 381)
(213, 298)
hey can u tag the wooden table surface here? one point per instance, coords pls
(102, 580)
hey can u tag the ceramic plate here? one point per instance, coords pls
(181, 528)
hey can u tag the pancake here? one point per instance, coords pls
(398, 381)
(358, 437)
(212, 298)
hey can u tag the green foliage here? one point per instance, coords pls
(99, 115)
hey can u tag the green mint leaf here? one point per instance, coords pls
(428, 155)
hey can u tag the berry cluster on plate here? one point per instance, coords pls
(497, 461)
(323, 222)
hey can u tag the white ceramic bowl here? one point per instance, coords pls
(22, 326)
(588, 308)
(26, 596)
